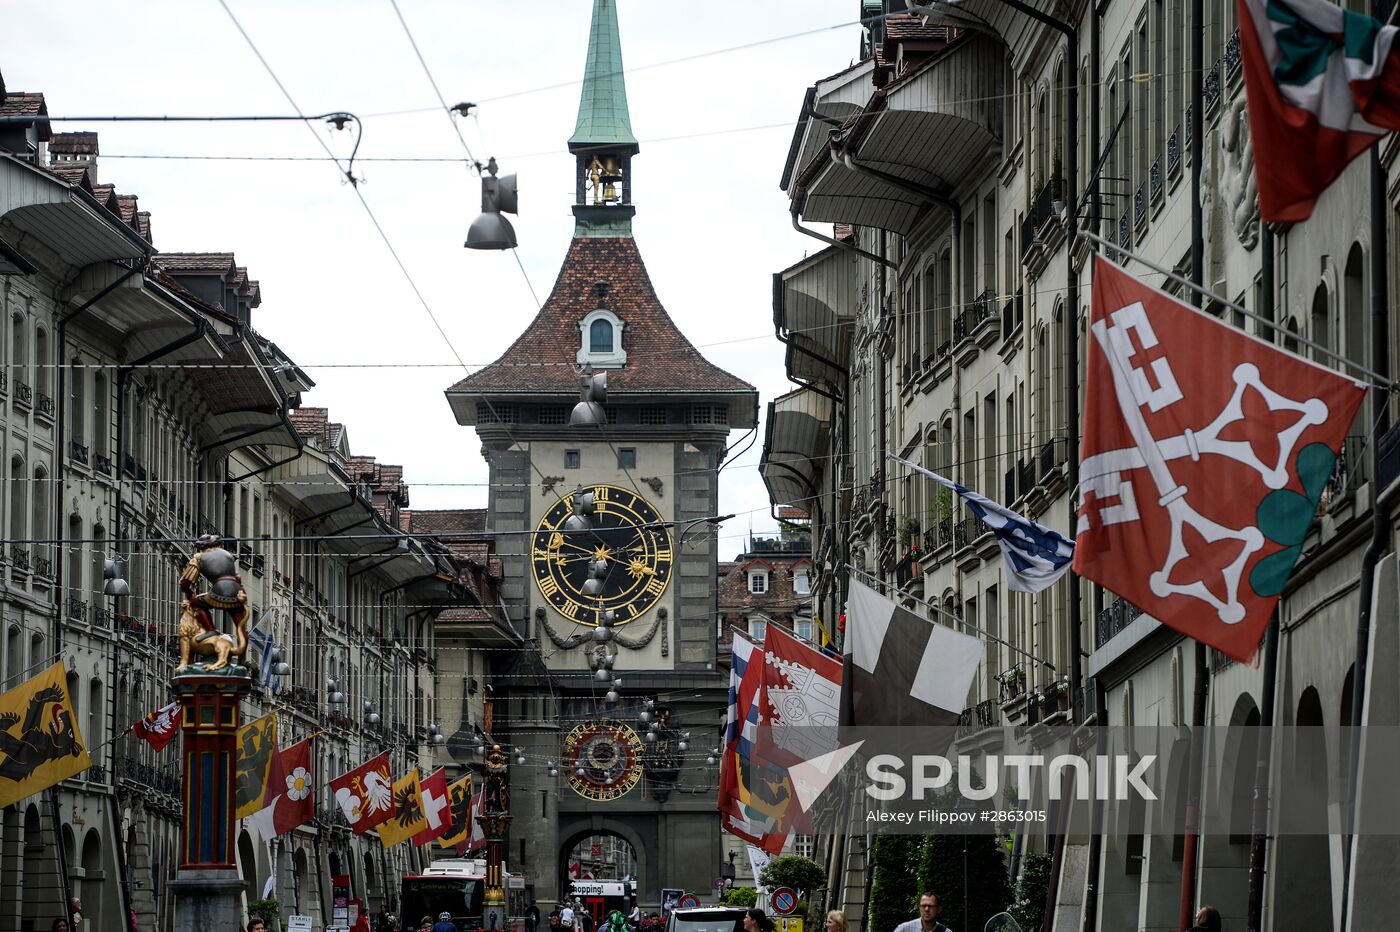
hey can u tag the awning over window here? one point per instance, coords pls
(796, 447)
(813, 308)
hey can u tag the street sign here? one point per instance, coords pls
(790, 924)
(298, 924)
(784, 901)
(690, 901)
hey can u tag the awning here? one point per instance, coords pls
(813, 310)
(12, 263)
(838, 97)
(796, 447)
(65, 218)
(245, 406)
(930, 130)
(154, 324)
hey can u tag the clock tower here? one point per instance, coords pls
(607, 559)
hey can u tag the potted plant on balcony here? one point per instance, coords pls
(1057, 187)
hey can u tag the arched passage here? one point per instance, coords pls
(248, 866)
(595, 829)
(34, 894)
(92, 890)
(1303, 861)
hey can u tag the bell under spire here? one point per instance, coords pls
(602, 143)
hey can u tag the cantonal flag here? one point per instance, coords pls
(460, 815)
(407, 820)
(291, 796)
(800, 695)
(1205, 454)
(1323, 85)
(160, 727)
(365, 794)
(435, 802)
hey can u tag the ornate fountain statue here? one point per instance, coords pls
(198, 635)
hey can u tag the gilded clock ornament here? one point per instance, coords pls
(604, 759)
(620, 562)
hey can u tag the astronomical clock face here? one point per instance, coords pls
(626, 540)
(604, 760)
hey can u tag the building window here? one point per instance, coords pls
(627, 458)
(758, 627)
(802, 583)
(804, 845)
(651, 415)
(803, 627)
(571, 459)
(600, 336)
(758, 582)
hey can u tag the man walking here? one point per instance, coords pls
(928, 917)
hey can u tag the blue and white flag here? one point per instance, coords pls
(1034, 557)
(261, 638)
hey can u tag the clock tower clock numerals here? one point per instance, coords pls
(627, 537)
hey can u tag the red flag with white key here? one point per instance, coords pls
(1205, 454)
(434, 792)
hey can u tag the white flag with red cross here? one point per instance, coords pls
(1205, 454)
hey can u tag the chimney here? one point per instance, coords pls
(74, 149)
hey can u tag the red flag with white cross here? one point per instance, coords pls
(434, 791)
(1205, 454)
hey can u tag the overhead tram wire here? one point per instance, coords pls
(379, 228)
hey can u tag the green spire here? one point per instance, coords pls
(602, 108)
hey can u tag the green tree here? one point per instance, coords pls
(793, 870)
(1031, 889)
(968, 872)
(739, 896)
(894, 888)
(269, 911)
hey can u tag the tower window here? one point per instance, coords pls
(600, 336)
(627, 458)
(571, 459)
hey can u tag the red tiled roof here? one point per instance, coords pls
(27, 104)
(901, 26)
(309, 422)
(73, 144)
(126, 207)
(449, 521)
(791, 513)
(143, 225)
(221, 262)
(660, 358)
(77, 175)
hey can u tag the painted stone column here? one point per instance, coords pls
(495, 822)
(207, 884)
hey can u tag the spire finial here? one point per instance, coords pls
(602, 109)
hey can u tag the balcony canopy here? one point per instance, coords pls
(796, 447)
(813, 309)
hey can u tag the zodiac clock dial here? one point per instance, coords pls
(626, 550)
(604, 759)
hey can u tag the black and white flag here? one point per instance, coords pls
(902, 669)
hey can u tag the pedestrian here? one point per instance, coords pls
(634, 918)
(60, 925)
(361, 918)
(584, 918)
(836, 921)
(532, 916)
(425, 924)
(555, 923)
(257, 924)
(1207, 920)
(566, 916)
(928, 916)
(445, 923)
(75, 906)
(755, 920)
(384, 923)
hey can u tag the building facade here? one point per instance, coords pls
(944, 322)
(644, 550)
(140, 408)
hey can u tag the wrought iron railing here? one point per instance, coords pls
(1174, 149)
(1042, 210)
(1190, 124)
(43, 566)
(24, 395)
(19, 556)
(78, 452)
(1232, 55)
(1350, 471)
(1154, 179)
(1140, 205)
(1125, 229)
(1012, 313)
(44, 406)
(77, 610)
(104, 464)
(985, 714)
(1112, 619)
(1210, 88)
(1048, 457)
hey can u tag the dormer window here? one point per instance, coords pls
(601, 336)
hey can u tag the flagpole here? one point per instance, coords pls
(1379, 380)
(952, 617)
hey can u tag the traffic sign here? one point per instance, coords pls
(790, 924)
(783, 901)
(690, 901)
(298, 924)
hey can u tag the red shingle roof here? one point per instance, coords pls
(27, 104)
(221, 262)
(449, 521)
(309, 422)
(73, 144)
(659, 357)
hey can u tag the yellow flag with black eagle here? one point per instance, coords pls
(39, 740)
(409, 818)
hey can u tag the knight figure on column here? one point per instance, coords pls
(198, 636)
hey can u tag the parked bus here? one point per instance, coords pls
(601, 897)
(458, 886)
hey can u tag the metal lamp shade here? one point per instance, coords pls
(490, 231)
(588, 414)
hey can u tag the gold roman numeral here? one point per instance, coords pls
(663, 555)
(655, 586)
(569, 610)
(549, 586)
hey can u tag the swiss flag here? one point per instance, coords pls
(291, 792)
(433, 789)
(1205, 454)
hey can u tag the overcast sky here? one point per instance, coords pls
(711, 222)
